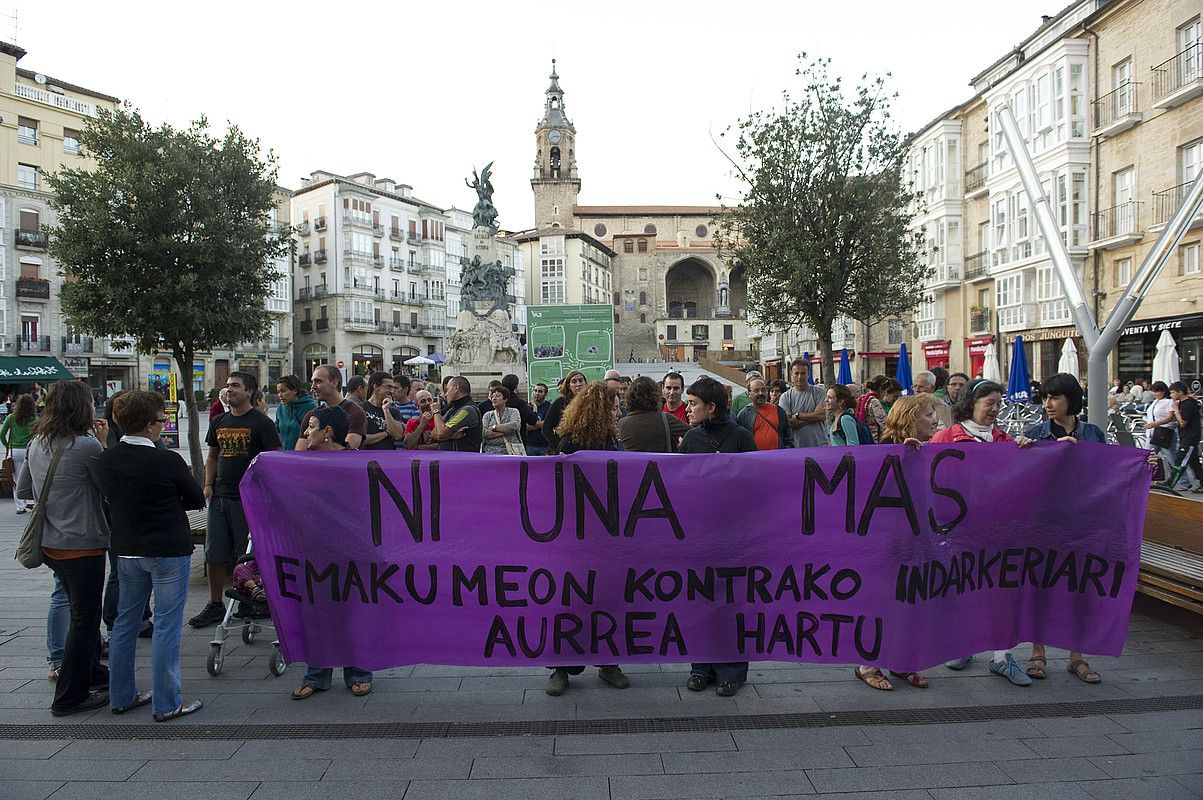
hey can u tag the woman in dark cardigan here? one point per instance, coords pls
(572, 383)
(646, 428)
(148, 489)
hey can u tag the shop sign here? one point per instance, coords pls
(1042, 334)
(1157, 326)
(977, 347)
(935, 350)
(249, 355)
(76, 366)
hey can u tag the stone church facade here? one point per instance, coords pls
(673, 297)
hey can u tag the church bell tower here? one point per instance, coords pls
(555, 182)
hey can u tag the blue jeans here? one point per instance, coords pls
(58, 621)
(536, 449)
(320, 678)
(168, 578)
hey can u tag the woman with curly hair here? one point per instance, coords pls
(912, 420)
(572, 383)
(588, 425)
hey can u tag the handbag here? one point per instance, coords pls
(29, 549)
(1161, 436)
(8, 474)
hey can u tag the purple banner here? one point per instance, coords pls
(878, 555)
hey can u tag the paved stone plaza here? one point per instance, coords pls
(454, 732)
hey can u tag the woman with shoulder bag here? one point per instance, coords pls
(1159, 422)
(61, 473)
(501, 425)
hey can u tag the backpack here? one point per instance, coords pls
(863, 434)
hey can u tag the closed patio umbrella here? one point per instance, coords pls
(1165, 362)
(845, 376)
(990, 369)
(903, 373)
(1019, 385)
(1069, 359)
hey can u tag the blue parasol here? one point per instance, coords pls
(903, 373)
(1018, 382)
(845, 375)
(811, 370)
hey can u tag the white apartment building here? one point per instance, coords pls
(371, 274)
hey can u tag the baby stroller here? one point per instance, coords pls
(252, 617)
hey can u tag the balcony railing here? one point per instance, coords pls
(36, 288)
(78, 344)
(303, 228)
(320, 290)
(306, 326)
(304, 293)
(930, 329)
(1174, 79)
(323, 323)
(975, 178)
(1166, 202)
(414, 237)
(396, 265)
(275, 344)
(354, 219)
(319, 256)
(304, 259)
(396, 234)
(33, 240)
(975, 266)
(366, 289)
(378, 259)
(1119, 220)
(979, 321)
(1115, 106)
(377, 229)
(362, 324)
(34, 344)
(319, 224)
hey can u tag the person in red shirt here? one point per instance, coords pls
(418, 429)
(767, 421)
(674, 388)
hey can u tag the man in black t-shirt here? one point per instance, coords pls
(234, 439)
(1186, 413)
(381, 428)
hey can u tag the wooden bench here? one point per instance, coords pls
(197, 520)
(1171, 555)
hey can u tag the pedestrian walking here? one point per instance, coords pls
(1186, 414)
(15, 434)
(149, 489)
(1160, 424)
(714, 431)
(588, 424)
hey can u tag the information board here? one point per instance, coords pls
(560, 339)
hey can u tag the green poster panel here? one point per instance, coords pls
(560, 339)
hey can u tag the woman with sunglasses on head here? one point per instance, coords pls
(974, 420)
(149, 490)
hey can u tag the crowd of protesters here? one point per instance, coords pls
(113, 495)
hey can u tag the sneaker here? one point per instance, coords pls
(557, 683)
(94, 700)
(138, 701)
(184, 709)
(211, 614)
(697, 683)
(1011, 670)
(726, 689)
(959, 663)
(614, 677)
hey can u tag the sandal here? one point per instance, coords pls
(874, 678)
(1037, 670)
(912, 678)
(1085, 674)
(303, 691)
(361, 688)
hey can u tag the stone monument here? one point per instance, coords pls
(484, 346)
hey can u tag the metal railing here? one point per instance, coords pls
(305, 293)
(320, 290)
(979, 321)
(78, 344)
(306, 326)
(323, 323)
(1166, 202)
(975, 178)
(37, 288)
(377, 229)
(319, 256)
(1116, 104)
(38, 240)
(33, 344)
(319, 224)
(1119, 220)
(975, 266)
(303, 228)
(396, 265)
(396, 234)
(1178, 72)
(414, 237)
(304, 259)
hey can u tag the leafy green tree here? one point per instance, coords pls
(166, 240)
(823, 228)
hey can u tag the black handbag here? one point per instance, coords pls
(1161, 436)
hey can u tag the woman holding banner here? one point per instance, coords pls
(588, 424)
(328, 427)
(974, 417)
(572, 383)
(1063, 404)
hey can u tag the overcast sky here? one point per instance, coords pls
(422, 92)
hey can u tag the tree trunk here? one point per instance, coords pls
(183, 359)
(829, 365)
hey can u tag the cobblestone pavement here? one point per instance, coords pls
(453, 732)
